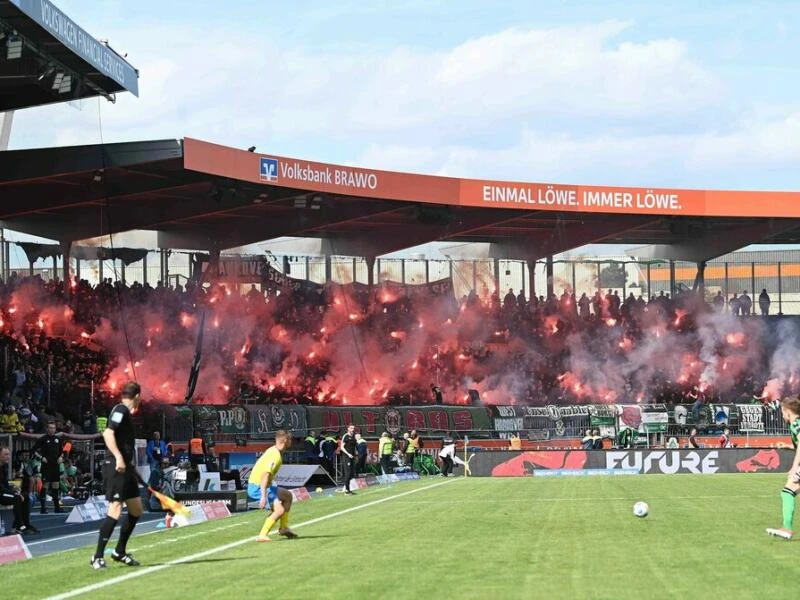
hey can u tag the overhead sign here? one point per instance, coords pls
(387, 185)
(65, 30)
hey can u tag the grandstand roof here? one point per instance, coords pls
(46, 57)
(205, 196)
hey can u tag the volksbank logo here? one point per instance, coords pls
(269, 169)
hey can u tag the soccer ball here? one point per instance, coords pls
(640, 509)
(319, 490)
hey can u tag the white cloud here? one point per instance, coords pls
(580, 104)
(246, 89)
(714, 160)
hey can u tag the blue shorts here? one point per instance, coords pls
(254, 493)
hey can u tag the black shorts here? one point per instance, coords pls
(119, 487)
(51, 472)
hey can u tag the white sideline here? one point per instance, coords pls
(147, 570)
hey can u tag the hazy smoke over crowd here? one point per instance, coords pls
(338, 345)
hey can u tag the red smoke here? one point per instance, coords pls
(345, 349)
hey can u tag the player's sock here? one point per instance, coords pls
(106, 529)
(285, 520)
(125, 533)
(788, 501)
(269, 523)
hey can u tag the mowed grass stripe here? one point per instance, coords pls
(50, 574)
(509, 538)
(464, 544)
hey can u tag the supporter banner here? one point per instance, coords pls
(751, 418)
(507, 419)
(266, 420)
(561, 420)
(442, 287)
(221, 419)
(558, 420)
(277, 279)
(721, 414)
(654, 418)
(430, 420)
(700, 461)
(246, 268)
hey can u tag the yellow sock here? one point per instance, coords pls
(268, 524)
(285, 520)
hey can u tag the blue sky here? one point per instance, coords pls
(693, 94)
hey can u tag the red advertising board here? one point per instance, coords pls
(215, 510)
(12, 549)
(281, 171)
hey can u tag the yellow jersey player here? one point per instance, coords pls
(790, 409)
(261, 486)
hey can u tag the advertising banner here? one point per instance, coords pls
(93, 509)
(12, 549)
(291, 476)
(645, 462)
(235, 501)
(94, 52)
(234, 163)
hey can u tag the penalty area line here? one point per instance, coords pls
(148, 570)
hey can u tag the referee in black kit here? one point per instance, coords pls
(348, 448)
(50, 450)
(120, 478)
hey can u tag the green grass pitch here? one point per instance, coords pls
(466, 538)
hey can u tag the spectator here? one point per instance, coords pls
(385, 451)
(361, 448)
(725, 439)
(197, 450)
(156, 450)
(719, 302)
(328, 453)
(693, 438)
(11, 496)
(587, 443)
(764, 302)
(746, 304)
(89, 422)
(597, 440)
(9, 421)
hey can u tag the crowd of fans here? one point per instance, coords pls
(62, 350)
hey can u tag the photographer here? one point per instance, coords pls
(446, 454)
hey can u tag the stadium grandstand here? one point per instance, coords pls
(516, 351)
